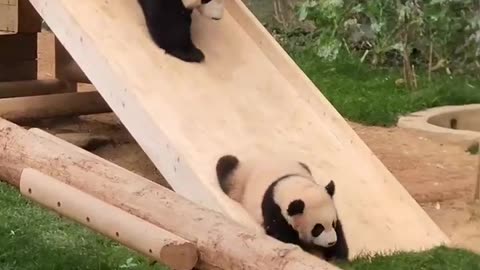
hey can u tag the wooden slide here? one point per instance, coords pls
(248, 95)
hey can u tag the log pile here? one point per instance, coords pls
(221, 242)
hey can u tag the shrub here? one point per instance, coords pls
(420, 36)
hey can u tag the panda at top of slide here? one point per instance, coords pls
(169, 22)
(283, 197)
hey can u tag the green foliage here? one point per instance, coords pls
(370, 95)
(434, 34)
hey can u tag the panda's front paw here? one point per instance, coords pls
(192, 55)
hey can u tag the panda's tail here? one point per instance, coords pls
(225, 166)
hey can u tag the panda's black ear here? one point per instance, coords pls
(330, 188)
(296, 207)
(225, 166)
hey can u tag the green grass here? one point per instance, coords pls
(441, 258)
(370, 96)
(32, 238)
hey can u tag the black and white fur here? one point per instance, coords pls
(283, 197)
(169, 24)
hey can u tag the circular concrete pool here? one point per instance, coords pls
(462, 122)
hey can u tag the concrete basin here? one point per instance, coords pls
(460, 123)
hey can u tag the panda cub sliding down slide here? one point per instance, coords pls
(168, 23)
(283, 197)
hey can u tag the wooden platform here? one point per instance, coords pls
(248, 95)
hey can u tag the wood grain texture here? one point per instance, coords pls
(247, 95)
(24, 109)
(131, 231)
(223, 243)
(8, 17)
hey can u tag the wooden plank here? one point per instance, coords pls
(223, 243)
(22, 46)
(19, 16)
(8, 17)
(18, 70)
(131, 231)
(262, 102)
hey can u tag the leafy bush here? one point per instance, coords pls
(427, 35)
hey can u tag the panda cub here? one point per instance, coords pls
(282, 196)
(169, 21)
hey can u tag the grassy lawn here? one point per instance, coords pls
(441, 258)
(32, 238)
(370, 96)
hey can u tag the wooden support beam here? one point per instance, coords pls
(24, 109)
(127, 229)
(223, 243)
(8, 17)
(18, 52)
(30, 88)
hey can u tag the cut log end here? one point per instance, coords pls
(179, 256)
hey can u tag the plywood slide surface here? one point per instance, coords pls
(248, 95)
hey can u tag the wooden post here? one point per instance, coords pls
(223, 243)
(18, 52)
(127, 229)
(30, 88)
(8, 17)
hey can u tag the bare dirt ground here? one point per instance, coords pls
(439, 175)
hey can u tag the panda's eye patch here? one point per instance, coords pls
(317, 230)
